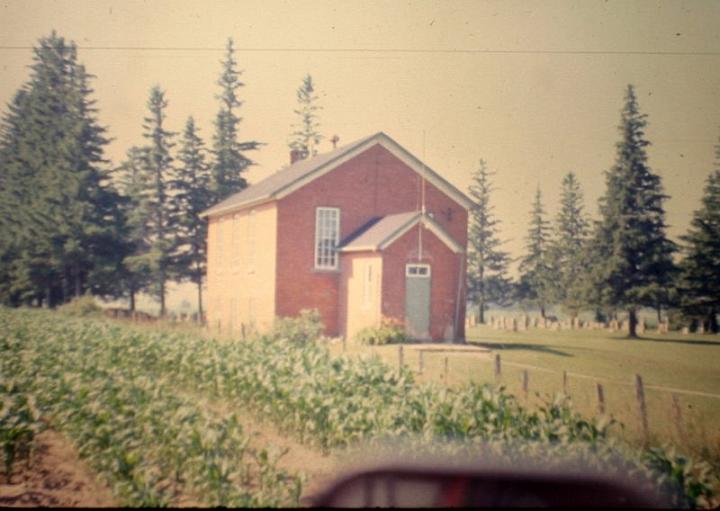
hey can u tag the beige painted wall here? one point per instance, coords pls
(362, 278)
(241, 269)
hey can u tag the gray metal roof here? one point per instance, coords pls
(373, 234)
(273, 186)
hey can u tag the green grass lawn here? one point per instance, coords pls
(687, 362)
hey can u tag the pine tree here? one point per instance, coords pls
(487, 272)
(230, 163)
(634, 257)
(192, 198)
(536, 284)
(157, 214)
(306, 136)
(700, 282)
(132, 180)
(571, 232)
(59, 202)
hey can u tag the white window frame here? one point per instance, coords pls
(417, 270)
(327, 258)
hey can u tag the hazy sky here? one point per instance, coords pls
(534, 88)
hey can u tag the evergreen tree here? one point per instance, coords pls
(634, 257)
(487, 272)
(192, 198)
(157, 217)
(230, 163)
(536, 285)
(132, 180)
(571, 232)
(700, 283)
(60, 206)
(306, 136)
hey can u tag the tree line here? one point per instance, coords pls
(71, 223)
(622, 261)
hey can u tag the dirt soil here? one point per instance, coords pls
(54, 477)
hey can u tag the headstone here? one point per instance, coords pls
(641, 326)
(701, 327)
(685, 330)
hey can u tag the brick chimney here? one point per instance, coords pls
(296, 155)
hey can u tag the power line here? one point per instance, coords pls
(386, 50)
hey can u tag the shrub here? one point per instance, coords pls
(304, 328)
(81, 306)
(388, 332)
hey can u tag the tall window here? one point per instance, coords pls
(236, 241)
(368, 289)
(251, 241)
(219, 256)
(327, 237)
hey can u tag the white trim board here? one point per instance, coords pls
(425, 221)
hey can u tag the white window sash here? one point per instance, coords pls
(327, 237)
(421, 271)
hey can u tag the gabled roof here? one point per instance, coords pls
(290, 178)
(380, 233)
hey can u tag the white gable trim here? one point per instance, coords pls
(396, 150)
(442, 235)
(426, 222)
(236, 207)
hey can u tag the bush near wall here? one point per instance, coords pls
(388, 332)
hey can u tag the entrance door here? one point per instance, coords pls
(417, 300)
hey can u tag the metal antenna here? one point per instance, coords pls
(422, 199)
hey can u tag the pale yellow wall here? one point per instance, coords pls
(363, 296)
(241, 269)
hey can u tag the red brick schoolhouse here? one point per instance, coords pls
(361, 233)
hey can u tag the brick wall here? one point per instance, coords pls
(445, 268)
(375, 183)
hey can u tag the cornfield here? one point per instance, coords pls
(125, 398)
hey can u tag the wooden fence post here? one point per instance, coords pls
(525, 383)
(498, 368)
(446, 370)
(565, 379)
(642, 410)
(677, 416)
(601, 399)
(421, 362)
(400, 358)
